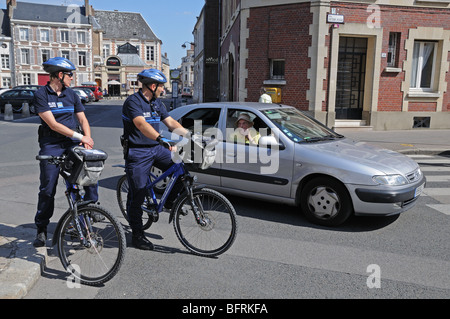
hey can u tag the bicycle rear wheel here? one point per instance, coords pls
(217, 232)
(99, 259)
(122, 193)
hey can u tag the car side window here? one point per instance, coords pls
(26, 94)
(200, 120)
(11, 94)
(244, 127)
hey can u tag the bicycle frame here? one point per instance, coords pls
(178, 170)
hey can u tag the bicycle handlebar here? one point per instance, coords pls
(52, 159)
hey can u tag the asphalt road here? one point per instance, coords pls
(277, 254)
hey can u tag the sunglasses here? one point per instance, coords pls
(70, 74)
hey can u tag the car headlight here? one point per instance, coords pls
(393, 180)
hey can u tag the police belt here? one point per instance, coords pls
(132, 145)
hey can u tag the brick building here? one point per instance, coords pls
(373, 63)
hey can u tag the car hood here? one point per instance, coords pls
(354, 155)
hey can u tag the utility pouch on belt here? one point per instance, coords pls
(125, 145)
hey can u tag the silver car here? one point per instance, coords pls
(298, 161)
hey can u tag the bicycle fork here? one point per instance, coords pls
(197, 210)
(73, 205)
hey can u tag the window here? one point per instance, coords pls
(106, 50)
(244, 127)
(45, 55)
(394, 39)
(81, 58)
(423, 65)
(45, 35)
(25, 56)
(81, 37)
(24, 34)
(64, 36)
(5, 61)
(150, 53)
(26, 77)
(65, 54)
(277, 69)
(6, 82)
(200, 120)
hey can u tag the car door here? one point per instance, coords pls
(256, 168)
(202, 121)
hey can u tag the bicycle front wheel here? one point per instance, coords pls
(216, 230)
(96, 256)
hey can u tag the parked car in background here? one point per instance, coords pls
(28, 87)
(88, 92)
(2, 90)
(298, 161)
(187, 92)
(96, 90)
(16, 97)
(82, 95)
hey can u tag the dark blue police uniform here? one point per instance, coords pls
(63, 108)
(143, 153)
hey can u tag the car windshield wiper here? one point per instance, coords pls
(319, 138)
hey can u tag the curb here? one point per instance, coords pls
(22, 264)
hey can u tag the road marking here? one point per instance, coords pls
(344, 259)
(434, 163)
(435, 168)
(442, 208)
(437, 191)
(438, 178)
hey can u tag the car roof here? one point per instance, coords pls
(253, 105)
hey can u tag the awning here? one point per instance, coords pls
(114, 82)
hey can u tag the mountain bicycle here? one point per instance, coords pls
(204, 220)
(90, 241)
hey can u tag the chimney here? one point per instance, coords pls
(11, 5)
(87, 8)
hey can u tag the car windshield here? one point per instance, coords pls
(299, 127)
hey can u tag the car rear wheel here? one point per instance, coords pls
(325, 201)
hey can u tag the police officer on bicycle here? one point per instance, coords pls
(144, 147)
(61, 114)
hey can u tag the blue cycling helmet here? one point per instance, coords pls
(152, 76)
(58, 64)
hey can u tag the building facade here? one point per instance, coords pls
(109, 48)
(377, 63)
(206, 53)
(40, 32)
(128, 45)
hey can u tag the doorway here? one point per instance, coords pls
(351, 74)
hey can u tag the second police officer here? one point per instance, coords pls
(142, 114)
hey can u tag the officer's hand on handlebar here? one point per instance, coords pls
(169, 144)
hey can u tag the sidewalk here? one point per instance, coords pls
(21, 264)
(418, 141)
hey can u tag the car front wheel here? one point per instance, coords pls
(325, 201)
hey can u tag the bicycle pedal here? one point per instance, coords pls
(151, 211)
